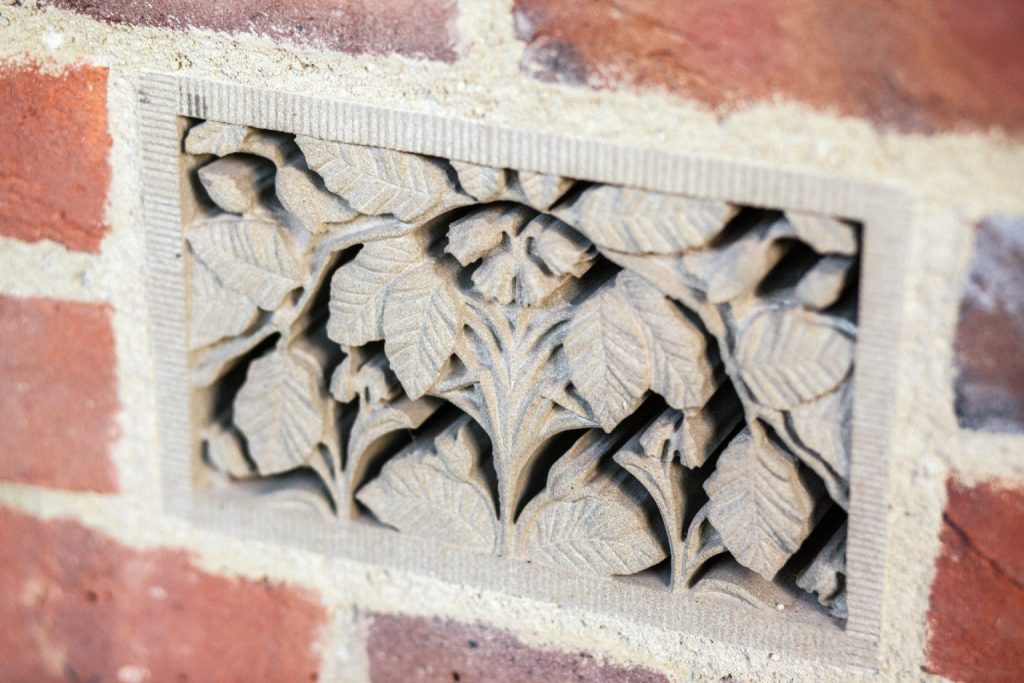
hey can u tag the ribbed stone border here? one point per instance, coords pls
(884, 212)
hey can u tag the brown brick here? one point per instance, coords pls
(77, 606)
(429, 650)
(989, 346)
(976, 618)
(415, 28)
(915, 65)
(58, 402)
(54, 173)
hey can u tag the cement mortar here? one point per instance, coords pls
(953, 179)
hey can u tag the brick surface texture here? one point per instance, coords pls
(77, 606)
(432, 650)
(917, 65)
(989, 343)
(59, 400)
(54, 172)
(415, 28)
(976, 618)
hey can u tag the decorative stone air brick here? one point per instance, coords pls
(920, 65)
(415, 28)
(989, 346)
(582, 392)
(54, 138)
(58, 402)
(439, 651)
(976, 619)
(78, 606)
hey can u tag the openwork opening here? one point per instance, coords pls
(596, 379)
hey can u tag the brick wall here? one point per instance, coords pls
(101, 584)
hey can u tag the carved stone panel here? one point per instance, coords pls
(616, 379)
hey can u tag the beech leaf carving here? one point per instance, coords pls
(422, 322)
(760, 504)
(437, 491)
(589, 518)
(303, 195)
(681, 370)
(541, 190)
(281, 410)
(483, 183)
(640, 222)
(789, 356)
(608, 356)
(253, 255)
(378, 181)
(216, 311)
(359, 288)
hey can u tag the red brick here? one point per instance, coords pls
(415, 28)
(58, 402)
(976, 618)
(990, 331)
(429, 650)
(54, 172)
(913, 65)
(77, 606)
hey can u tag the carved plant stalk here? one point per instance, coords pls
(507, 350)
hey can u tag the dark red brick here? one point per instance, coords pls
(989, 346)
(77, 606)
(415, 28)
(976, 617)
(914, 65)
(58, 402)
(429, 650)
(54, 173)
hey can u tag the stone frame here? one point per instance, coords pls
(884, 213)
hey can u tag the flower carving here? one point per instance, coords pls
(524, 255)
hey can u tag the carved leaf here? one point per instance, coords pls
(826, 574)
(608, 356)
(640, 222)
(728, 272)
(790, 356)
(221, 139)
(680, 362)
(422, 322)
(215, 311)
(234, 183)
(823, 427)
(303, 195)
(483, 183)
(478, 234)
(824, 234)
(588, 519)
(760, 504)
(359, 288)
(378, 181)
(225, 453)
(252, 255)
(823, 284)
(281, 410)
(438, 492)
(541, 189)
(563, 250)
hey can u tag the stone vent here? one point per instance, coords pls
(636, 395)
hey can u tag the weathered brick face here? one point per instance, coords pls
(917, 66)
(415, 28)
(59, 400)
(434, 650)
(976, 619)
(990, 331)
(77, 606)
(54, 172)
